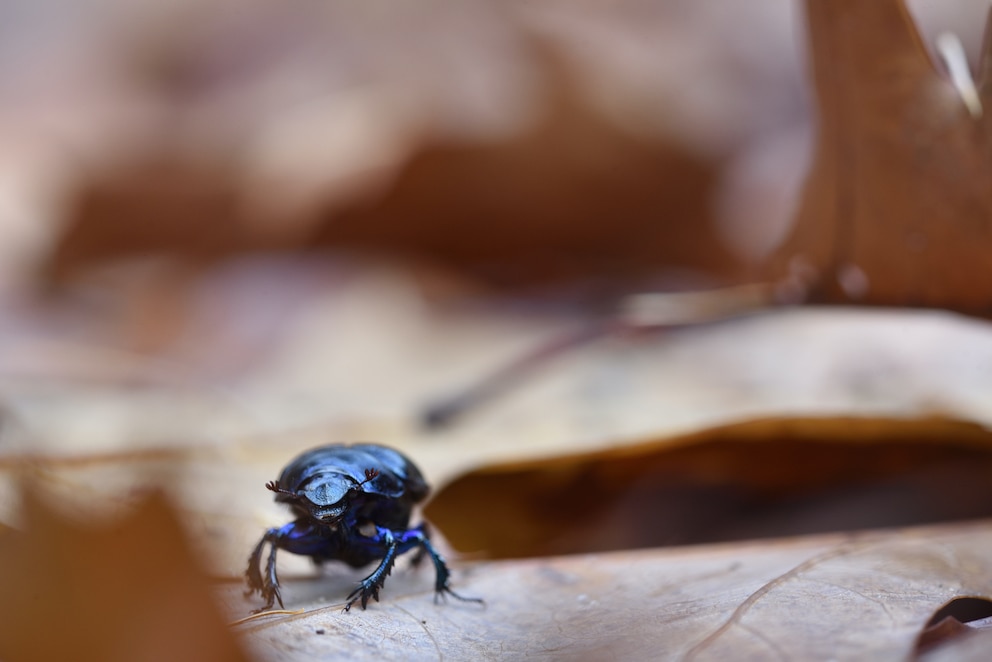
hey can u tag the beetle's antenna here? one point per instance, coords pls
(370, 474)
(273, 486)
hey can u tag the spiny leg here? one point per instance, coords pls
(271, 592)
(267, 587)
(442, 574)
(369, 587)
(297, 537)
(418, 556)
(254, 574)
(420, 537)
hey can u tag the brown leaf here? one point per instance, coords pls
(125, 591)
(973, 646)
(159, 208)
(534, 206)
(897, 209)
(740, 481)
(849, 596)
(952, 621)
(493, 140)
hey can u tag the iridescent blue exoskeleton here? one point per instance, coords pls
(352, 504)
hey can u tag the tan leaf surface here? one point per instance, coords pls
(844, 597)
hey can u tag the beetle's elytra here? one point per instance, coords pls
(352, 504)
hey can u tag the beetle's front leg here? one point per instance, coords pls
(267, 587)
(296, 537)
(254, 573)
(391, 544)
(369, 587)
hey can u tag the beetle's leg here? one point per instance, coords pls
(271, 591)
(268, 586)
(296, 537)
(391, 544)
(254, 573)
(420, 536)
(369, 587)
(418, 556)
(441, 573)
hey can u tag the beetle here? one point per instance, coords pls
(352, 504)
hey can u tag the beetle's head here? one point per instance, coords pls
(326, 496)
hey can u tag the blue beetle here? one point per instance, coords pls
(352, 504)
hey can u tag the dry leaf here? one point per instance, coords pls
(959, 618)
(972, 647)
(897, 209)
(847, 597)
(491, 140)
(131, 590)
(555, 467)
(854, 595)
(736, 482)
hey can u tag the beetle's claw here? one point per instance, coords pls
(278, 596)
(442, 590)
(362, 594)
(254, 581)
(270, 592)
(271, 595)
(446, 591)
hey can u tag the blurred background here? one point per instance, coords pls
(232, 230)
(229, 221)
